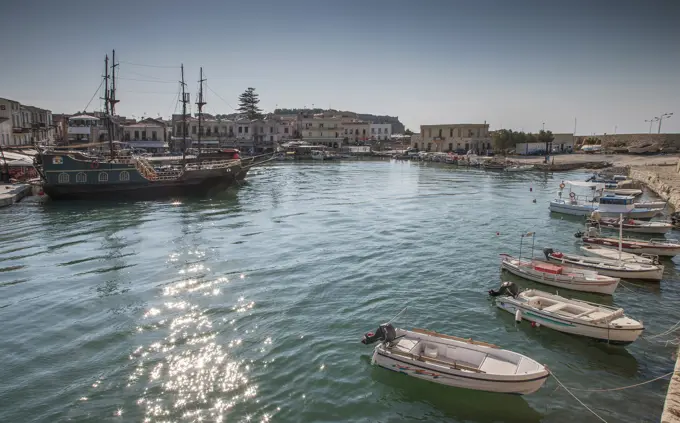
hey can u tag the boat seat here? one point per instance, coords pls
(465, 356)
(496, 366)
(555, 307)
(406, 345)
(526, 366)
(585, 313)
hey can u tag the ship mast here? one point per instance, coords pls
(112, 101)
(200, 103)
(185, 100)
(107, 102)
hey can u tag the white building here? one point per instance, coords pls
(149, 134)
(24, 125)
(381, 131)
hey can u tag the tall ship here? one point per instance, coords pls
(112, 173)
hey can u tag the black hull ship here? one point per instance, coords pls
(75, 176)
(120, 175)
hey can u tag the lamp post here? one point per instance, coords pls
(650, 123)
(665, 115)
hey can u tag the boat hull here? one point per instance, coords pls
(610, 253)
(587, 209)
(640, 229)
(559, 323)
(141, 191)
(654, 275)
(606, 287)
(636, 248)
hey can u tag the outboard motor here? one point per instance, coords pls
(507, 288)
(547, 251)
(385, 332)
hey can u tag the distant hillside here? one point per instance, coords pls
(397, 126)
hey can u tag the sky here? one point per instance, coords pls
(597, 66)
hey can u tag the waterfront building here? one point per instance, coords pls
(381, 131)
(357, 132)
(461, 138)
(321, 129)
(148, 134)
(22, 125)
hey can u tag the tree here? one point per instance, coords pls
(247, 103)
(408, 132)
(546, 137)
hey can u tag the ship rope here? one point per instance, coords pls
(576, 398)
(621, 388)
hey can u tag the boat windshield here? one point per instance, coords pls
(615, 199)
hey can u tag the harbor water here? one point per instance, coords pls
(249, 307)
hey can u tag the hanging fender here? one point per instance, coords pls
(518, 316)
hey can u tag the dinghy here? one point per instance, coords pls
(607, 267)
(660, 247)
(608, 253)
(637, 226)
(519, 168)
(454, 361)
(571, 316)
(559, 276)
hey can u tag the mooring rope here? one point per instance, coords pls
(621, 388)
(576, 398)
(672, 329)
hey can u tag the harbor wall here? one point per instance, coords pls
(627, 140)
(671, 408)
(663, 180)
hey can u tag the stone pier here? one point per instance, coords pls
(663, 180)
(671, 408)
(11, 193)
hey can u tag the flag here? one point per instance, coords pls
(529, 234)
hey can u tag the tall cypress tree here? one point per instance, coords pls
(248, 104)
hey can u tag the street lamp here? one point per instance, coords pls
(665, 115)
(544, 126)
(650, 123)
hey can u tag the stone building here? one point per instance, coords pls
(461, 137)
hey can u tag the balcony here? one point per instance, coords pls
(438, 138)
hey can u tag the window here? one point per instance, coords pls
(321, 125)
(415, 145)
(193, 130)
(271, 129)
(154, 136)
(261, 130)
(285, 130)
(144, 135)
(429, 146)
(216, 130)
(336, 134)
(477, 132)
(103, 177)
(136, 135)
(440, 133)
(207, 131)
(321, 134)
(380, 130)
(451, 132)
(451, 145)
(429, 132)
(124, 176)
(63, 178)
(240, 129)
(345, 131)
(310, 134)
(81, 177)
(363, 132)
(271, 138)
(245, 129)
(458, 132)
(373, 131)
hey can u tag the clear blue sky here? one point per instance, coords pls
(514, 64)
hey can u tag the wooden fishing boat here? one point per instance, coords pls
(607, 267)
(660, 247)
(608, 253)
(559, 276)
(566, 315)
(637, 226)
(453, 361)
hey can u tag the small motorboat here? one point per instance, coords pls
(454, 361)
(638, 226)
(493, 166)
(608, 253)
(615, 268)
(566, 315)
(624, 191)
(519, 168)
(559, 276)
(657, 247)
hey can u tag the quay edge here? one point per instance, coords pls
(671, 407)
(663, 180)
(12, 193)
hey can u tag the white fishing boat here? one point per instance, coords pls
(453, 361)
(519, 168)
(657, 247)
(318, 155)
(608, 253)
(607, 205)
(566, 315)
(637, 226)
(559, 276)
(624, 191)
(615, 268)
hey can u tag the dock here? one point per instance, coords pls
(671, 407)
(12, 193)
